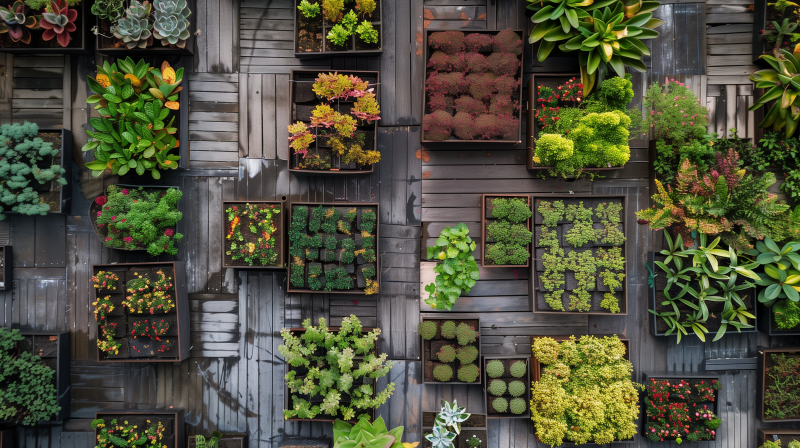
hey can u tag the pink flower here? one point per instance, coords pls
(113, 218)
(169, 232)
(101, 200)
(125, 191)
(683, 122)
(108, 239)
(128, 239)
(99, 214)
(691, 122)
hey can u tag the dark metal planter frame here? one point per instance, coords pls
(181, 310)
(281, 264)
(486, 379)
(676, 376)
(326, 26)
(85, 15)
(445, 317)
(293, 158)
(155, 50)
(176, 414)
(424, 92)
(623, 305)
(761, 378)
(767, 434)
(62, 373)
(7, 257)
(483, 230)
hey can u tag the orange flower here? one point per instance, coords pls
(174, 105)
(103, 80)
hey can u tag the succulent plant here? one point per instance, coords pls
(171, 22)
(516, 388)
(449, 330)
(447, 353)
(518, 369)
(58, 23)
(427, 329)
(517, 406)
(500, 404)
(497, 388)
(466, 334)
(135, 28)
(443, 372)
(468, 373)
(451, 416)
(495, 368)
(440, 437)
(467, 354)
(15, 22)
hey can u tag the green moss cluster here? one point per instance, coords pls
(495, 368)
(516, 388)
(443, 372)
(449, 330)
(466, 334)
(517, 406)
(518, 369)
(497, 388)
(468, 373)
(500, 404)
(467, 354)
(427, 329)
(446, 354)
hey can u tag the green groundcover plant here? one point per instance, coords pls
(458, 271)
(27, 394)
(508, 230)
(782, 390)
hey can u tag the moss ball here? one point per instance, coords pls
(516, 388)
(503, 64)
(506, 85)
(439, 61)
(443, 372)
(475, 62)
(447, 354)
(507, 41)
(502, 105)
(441, 102)
(517, 369)
(478, 42)
(464, 126)
(449, 83)
(481, 85)
(497, 388)
(427, 330)
(487, 126)
(495, 368)
(518, 406)
(470, 105)
(467, 354)
(458, 62)
(450, 42)
(449, 330)
(437, 126)
(500, 405)
(468, 373)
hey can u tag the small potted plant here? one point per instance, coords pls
(328, 28)
(681, 407)
(452, 427)
(457, 273)
(253, 235)
(505, 230)
(506, 386)
(160, 27)
(777, 265)
(778, 438)
(44, 27)
(370, 434)
(451, 349)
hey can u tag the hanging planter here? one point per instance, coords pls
(157, 27)
(354, 32)
(54, 27)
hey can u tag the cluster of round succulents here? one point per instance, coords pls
(468, 373)
(518, 406)
(446, 354)
(516, 388)
(467, 354)
(500, 404)
(449, 330)
(464, 334)
(497, 388)
(427, 330)
(495, 368)
(443, 372)
(518, 369)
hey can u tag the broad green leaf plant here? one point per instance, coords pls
(366, 435)
(458, 270)
(135, 129)
(780, 280)
(782, 87)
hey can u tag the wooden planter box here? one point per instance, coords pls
(454, 139)
(172, 419)
(761, 378)
(484, 201)
(180, 351)
(550, 80)
(6, 268)
(653, 300)
(784, 435)
(766, 323)
(287, 396)
(678, 376)
(428, 354)
(539, 304)
(280, 236)
(326, 49)
(225, 441)
(301, 111)
(53, 349)
(106, 42)
(80, 42)
(476, 425)
(508, 359)
(94, 208)
(377, 263)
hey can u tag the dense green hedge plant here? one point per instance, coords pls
(21, 153)
(509, 232)
(337, 363)
(458, 271)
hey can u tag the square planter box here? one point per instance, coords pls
(287, 398)
(476, 425)
(172, 420)
(180, 315)
(766, 323)
(58, 196)
(81, 40)
(280, 236)
(485, 202)
(107, 44)
(355, 46)
(550, 80)
(6, 262)
(53, 348)
(225, 441)
(507, 360)
(556, 62)
(356, 262)
(454, 139)
(428, 354)
(784, 435)
(539, 304)
(761, 378)
(304, 100)
(677, 376)
(653, 299)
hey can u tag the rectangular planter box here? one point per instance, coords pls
(484, 199)
(676, 376)
(6, 265)
(576, 198)
(280, 234)
(57, 358)
(225, 441)
(81, 41)
(429, 51)
(427, 353)
(7, 438)
(766, 323)
(761, 378)
(181, 313)
(480, 429)
(172, 419)
(556, 62)
(311, 206)
(783, 434)
(552, 80)
(507, 378)
(326, 27)
(651, 303)
(105, 45)
(307, 77)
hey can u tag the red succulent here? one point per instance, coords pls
(58, 23)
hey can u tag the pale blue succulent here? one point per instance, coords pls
(171, 22)
(134, 29)
(451, 416)
(441, 437)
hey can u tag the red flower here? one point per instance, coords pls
(125, 191)
(169, 232)
(128, 239)
(101, 200)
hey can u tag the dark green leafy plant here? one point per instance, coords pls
(457, 272)
(338, 35)
(782, 390)
(781, 91)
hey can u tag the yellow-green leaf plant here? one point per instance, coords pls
(782, 86)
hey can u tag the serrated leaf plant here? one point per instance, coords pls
(134, 131)
(458, 270)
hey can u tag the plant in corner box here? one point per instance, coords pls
(458, 270)
(135, 30)
(780, 280)
(133, 101)
(117, 434)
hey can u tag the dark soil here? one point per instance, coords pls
(304, 91)
(141, 347)
(429, 358)
(466, 435)
(332, 47)
(309, 32)
(25, 345)
(121, 330)
(45, 346)
(124, 351)
(250, 237)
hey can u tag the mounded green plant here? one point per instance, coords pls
(309, 10)
(495, 368)
(366, 435)
(518, 369)
(449, 329)
(500, 404)
(787, 315)
(443, 372)
(458, 271)
(468, 373)
(515, 210)
(446, 354)
(777, 444)
(517, 406)
(427, 329)
(516, 388)
(466, 334)
(467, 354)
(779, 278)
(510, 233)
(497, 388)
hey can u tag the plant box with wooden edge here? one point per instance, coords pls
(279, 221)
(485, 203)
(429, 355)
(303, 102)
(761, 381)
(785, 435)
(549, 80)
(287, 398)
(766, 322)
(6, 262)
(181, 322)
(107, 44)
(342, 205)
(53, 348)
(225, 441)
(655, 296)
(539, 304)
(80, 40)
(172, 419)
(507, 360)
(319, 26)
(672, 376)
(94, 208)
(476, 425)
(518, 94)
(58, 196)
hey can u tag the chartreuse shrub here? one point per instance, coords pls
(586, 373)
(458, 271)
(21, 153)
(366, 435)
(348, 357)
(27, 394)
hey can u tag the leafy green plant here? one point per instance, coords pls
(338, 35)
(117, 434)
(514, 210)
(332, 10)
(212, 442)
(254, 243)
(516, 388)
(367, 33)
(110, 10)
(518, 369)
(440, 437)
(309, 10)
(779, 277)
(781, 396)
(458, 270)
(28, 393)
(781, 90)
(366, 435)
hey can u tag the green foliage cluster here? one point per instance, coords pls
(500, 404)
(335, 362)
(467, 354)
(27, 394)
(120, 434)
(596, 381)
(446, 354)
(509, 231)
(366, 435)
(344, 24)
(497, 388)
(674, 114)
(777, 444)
(466, 334)
(518, 369)
(517, 406)
(458, 271)
(427, 329)
(516, 388)
(783, 154)
(443, 372)
(449, 330)
(21, 153)
(468, 373)
(309, 10)
(495, 368)
(779, 277)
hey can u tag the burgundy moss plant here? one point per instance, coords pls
(481, 85)
(470, 105)
(439, 61)
(478, 42)
(458, 62)
(507, 41)
(464, 126)
(447, 84)
(440, 102)
(450, 42)
(475, 62)
(506, 85)
(437, 125)
(503, 64)
(503, 105)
